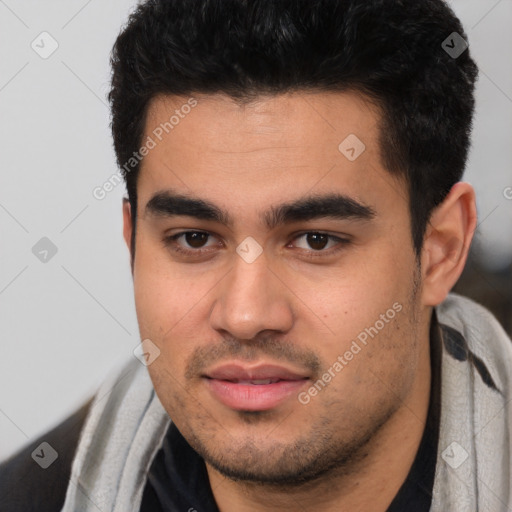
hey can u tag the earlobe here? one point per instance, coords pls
(446, 244)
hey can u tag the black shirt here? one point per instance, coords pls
(178, 481)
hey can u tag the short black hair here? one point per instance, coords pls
(395, 52)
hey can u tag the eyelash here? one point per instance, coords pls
(171, 242)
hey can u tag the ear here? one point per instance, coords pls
(127, 226)
(446, 243)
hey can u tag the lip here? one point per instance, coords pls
(236, 372)
(240, 387)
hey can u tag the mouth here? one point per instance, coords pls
(255, 388)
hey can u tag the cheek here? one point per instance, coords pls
(171, 307)
(352, 301)
(379, 362)
(368, 312)
(164, 293)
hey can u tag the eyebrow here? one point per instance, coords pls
(333, 206)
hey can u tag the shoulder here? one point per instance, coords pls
(25, 484)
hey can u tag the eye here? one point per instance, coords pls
(192, 242)
(312, 244)
(321, 243)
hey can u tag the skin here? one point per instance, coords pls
(299, 305)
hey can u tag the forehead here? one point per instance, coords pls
(272, 149)
(313, 120)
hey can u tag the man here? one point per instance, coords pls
(296, 220)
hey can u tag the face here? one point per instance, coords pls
(275, 272)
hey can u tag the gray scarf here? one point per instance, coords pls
(127, 423)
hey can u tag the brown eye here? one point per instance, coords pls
(192, 243)
(317, 241)
(196, 239)
(317, 244)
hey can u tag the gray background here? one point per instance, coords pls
(65, 323)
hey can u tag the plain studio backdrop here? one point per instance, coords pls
(67, 315)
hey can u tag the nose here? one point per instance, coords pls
(252, 299)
